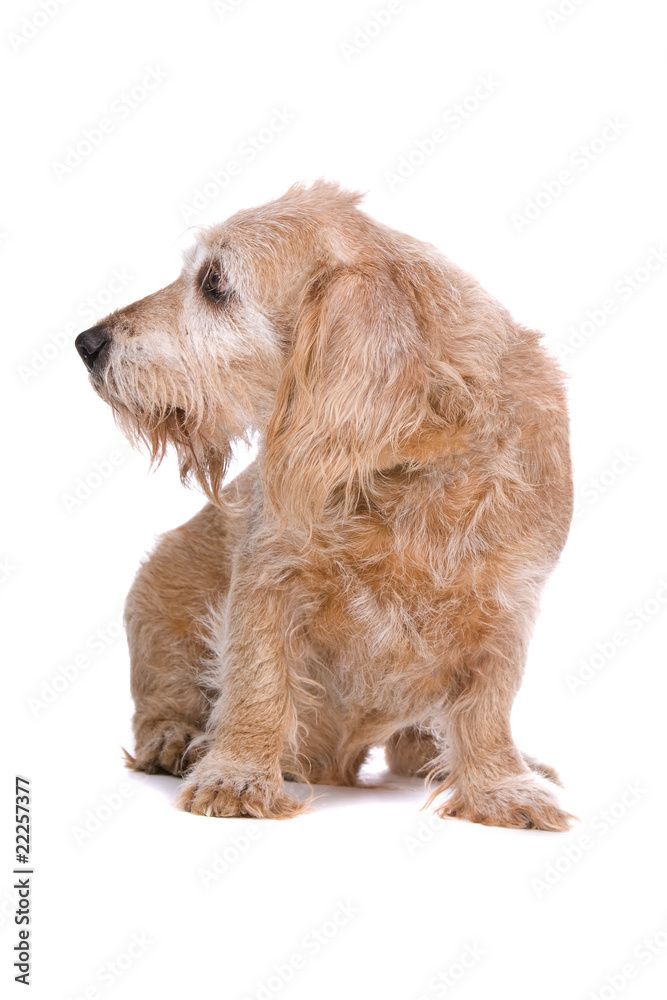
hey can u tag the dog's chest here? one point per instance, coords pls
(376, 611)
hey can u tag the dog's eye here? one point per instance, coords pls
(214, 284)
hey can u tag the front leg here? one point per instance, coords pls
(254, 719)
(490, 780)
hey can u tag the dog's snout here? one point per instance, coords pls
(91, 343)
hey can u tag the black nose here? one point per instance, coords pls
(91, 343)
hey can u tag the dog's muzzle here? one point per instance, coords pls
(91, 346)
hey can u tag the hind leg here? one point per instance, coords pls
(412, 750)
(163, 613)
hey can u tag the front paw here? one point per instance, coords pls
(223, 788)
(518, 802)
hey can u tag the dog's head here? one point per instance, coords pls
(307, 323)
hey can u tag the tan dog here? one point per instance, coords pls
(374, 577)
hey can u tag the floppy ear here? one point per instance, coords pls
(354, 391)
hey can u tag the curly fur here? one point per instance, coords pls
(374, 577)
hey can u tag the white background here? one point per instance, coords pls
(543, 919)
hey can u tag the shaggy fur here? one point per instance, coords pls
(374, 577)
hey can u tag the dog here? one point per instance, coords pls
(373, 578)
